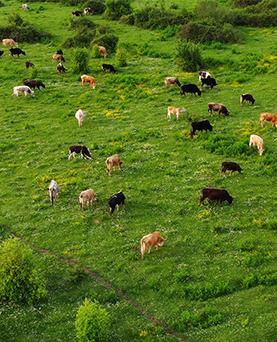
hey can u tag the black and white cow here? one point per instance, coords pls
(209, 82)
(79, 149)
(109, 67)
(115, 200)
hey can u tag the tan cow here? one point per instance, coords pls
(58, 57)
(88, 79)
(112, 162)
(217, 107)
(149, 241)
(87, 196)
(103, 51)
(176, 111)
(10, 42)
(171, 80)
(80, 114)
(268, 117)
(255, 140)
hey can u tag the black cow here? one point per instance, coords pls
(209, 82)
(230, 166)
(215, 194)
(115, 200)
(29, 64)
(190, 88)
(1, 53)
(16, 51)
(83, 150)
(200, 126)
(34, 83)
(77, 13)
(246, 97)
(109, 67)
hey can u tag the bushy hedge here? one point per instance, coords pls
(188, 56)
(81, 39)
(108, 40)
(82, 23)
(80, 61)
(115, 9)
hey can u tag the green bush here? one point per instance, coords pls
(121, 57)
(109, 41)
(116, 8)
(96, 52)
(81, 39)
(92, 322)
(80, 61)
(21, 279)
(82, 23)
(188, 56)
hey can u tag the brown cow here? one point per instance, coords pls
(171, 80)
(215, 194)
(88, 79)
(103, 51)
(217, 107)
(230, 166)
(112, 162)
(268, 117)
(246, 97)
(87, 196)
(176, 111)
(149, 241)
(58, 57)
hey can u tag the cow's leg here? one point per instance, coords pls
(149, 251)
(168, 115)
(117, 206)
(201, 200)
(216, 203)
(220, 202)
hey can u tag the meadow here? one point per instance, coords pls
(215, 277)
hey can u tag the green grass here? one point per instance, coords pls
(218, 258)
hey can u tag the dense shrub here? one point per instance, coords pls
(116, 8)
(82, 24)
(96, 52)
(108, 40)
(81, 39)
(20, 277)
(188, 56)
(80, 61)
(244, 3)
(212, 10)
(98, 7)
(92, 322)
(121, 56)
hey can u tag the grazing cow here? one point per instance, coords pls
(17, 52)
(209, 82)
(217, 107)
(109, 67)
(115, 200)
(58, 57)
(53, 191)
(268, 117)
(203, 74)
(25, 7)
(88, 79)
(80, 114)
(176, 111)
(112, 162)
(10, 42)
(29, 64)
(87, 196)
(149, 241)
(33, 84)
(215, 194)
(59, 52)
(77, 13)
(103, 51)
(200, 126)
(190, 88)
(1, 53)
(230, 166)
(61, 69)
(79, 149)
(255, 140)
(88, 10)
(22, 89)
(246, 97)
(171, 80)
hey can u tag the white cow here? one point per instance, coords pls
(80, 114)
(22, 90)
(53, 191)
(25, 7)
(255, 140)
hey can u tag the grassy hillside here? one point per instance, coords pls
(215, 278)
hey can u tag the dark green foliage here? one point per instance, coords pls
(82, 24)
(80, 61)
(109, 41)
(1, 4)
(213, 10)
(244, 3)
(82, 39)
(98, 7)
(115, 9)
(188, 56)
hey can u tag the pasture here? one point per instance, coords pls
(215, 277)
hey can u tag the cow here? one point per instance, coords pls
(256, 140)
(88, 10)
(115, 200)
(29, 64)
(200, 126)
(53, 191)
(17, 52)
(268, 117)
(215, 194)
(149, 241)
(58, 57)
(77, 13)
(171, 80)
(61, 69)
(80, 114)
(87, 196)
(88, 79)
(190, 88)
(230, 166)
(10, 42)
(203, 74)
(176, 111)
(246, 97)
(1, 53)
(109, 67)
(103, 51)
(112, 162)
(33, 84)
(79, 149)
(209, 82)
(59, 52)
(25, 7)
(217, 107)
(22, 89)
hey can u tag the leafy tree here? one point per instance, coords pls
(116, 8)
(121, 56)
(80, 61)
(188, 56)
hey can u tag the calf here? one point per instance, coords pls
(17, 52)
(215, 194)
(112, 162)
(149, 241)
(230, 166)
(190, 88)
(217, 107)
(88, 10)
(109, 67)
(22, 89)
(115, 200)
(87, 196)
(176, 111)
(246, 97)
(79, 149)
(10, 42)
(33, 84)
(203, 74)
(58, 57)
(61, 69)
(200, 126)
(268, 117)
(77, 13)
(1, 53)
(80, 114)
(29, 64)
(171, 80)
(255, 140)
(88, 79)
(209, 82)
(53, 191)
(103, 51)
